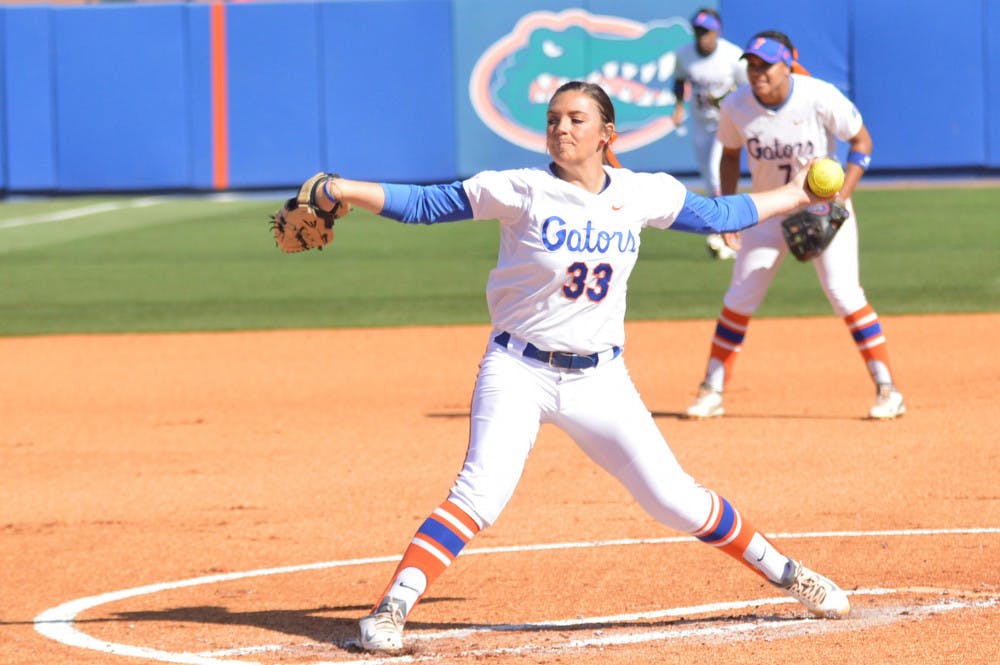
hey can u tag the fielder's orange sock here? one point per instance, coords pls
(867, 332)
(730, 330)
(437, 543)
(725, 528)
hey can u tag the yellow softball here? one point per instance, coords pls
(825, 177)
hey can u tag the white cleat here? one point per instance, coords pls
(718, 248)
(382, 630)
(708, 404)
(888, 403)
(818, 594)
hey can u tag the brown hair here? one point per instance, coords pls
(604, 105)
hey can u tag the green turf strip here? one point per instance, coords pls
(92, 264)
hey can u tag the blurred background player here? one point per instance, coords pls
(569, 241)
(780, 118)
(707, 70)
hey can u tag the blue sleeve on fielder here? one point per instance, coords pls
(416, 204)
(722, 214)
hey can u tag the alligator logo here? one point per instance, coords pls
(513, 80)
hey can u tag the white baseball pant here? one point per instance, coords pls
(599, 408)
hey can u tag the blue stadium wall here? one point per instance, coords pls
(116, 97)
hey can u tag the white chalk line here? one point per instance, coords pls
(101, 208)
(742, 630)
(727, 633)
(57, 623)
(83, 211)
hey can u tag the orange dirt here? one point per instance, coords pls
(145, 459)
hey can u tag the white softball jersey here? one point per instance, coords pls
(808, 125)
(566, 254)
(711, 77)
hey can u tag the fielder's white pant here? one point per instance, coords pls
(599, 408)
(708, 152)
(763, 250)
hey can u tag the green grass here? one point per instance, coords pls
(180, 264)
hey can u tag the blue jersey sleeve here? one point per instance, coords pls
(722, 214)
(429, 204)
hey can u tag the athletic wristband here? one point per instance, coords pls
(327, 191)
(859, 158)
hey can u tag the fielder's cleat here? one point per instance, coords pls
(718, 248)
(888, 403)
(382, 630)
(708, 404)
(818, 594)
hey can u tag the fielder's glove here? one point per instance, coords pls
(809, 232)
(300, 224)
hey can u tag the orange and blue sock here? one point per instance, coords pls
(726, 529)
(866, 330)
(435, 545)
(730, 331)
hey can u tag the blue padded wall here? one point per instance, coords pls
(389, 111)
(120, 93)
(29, 114)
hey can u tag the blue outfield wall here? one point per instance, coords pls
(927, 106)
(275, 98)
(29, 139)
(991, 55)
(389, 108)
(3, 107)
(117, 97)
(199, 96)
(121, 102)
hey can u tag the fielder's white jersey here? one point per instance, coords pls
(809, 123)
(566, 254)
(711, 76)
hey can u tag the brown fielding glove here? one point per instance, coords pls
(300, 224)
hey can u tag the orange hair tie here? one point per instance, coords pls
(609, 155)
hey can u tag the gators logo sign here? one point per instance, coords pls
(513, 80)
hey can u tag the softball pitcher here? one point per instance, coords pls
(569, 238)
(784, 120)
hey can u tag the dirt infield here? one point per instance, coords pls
(184, 498)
